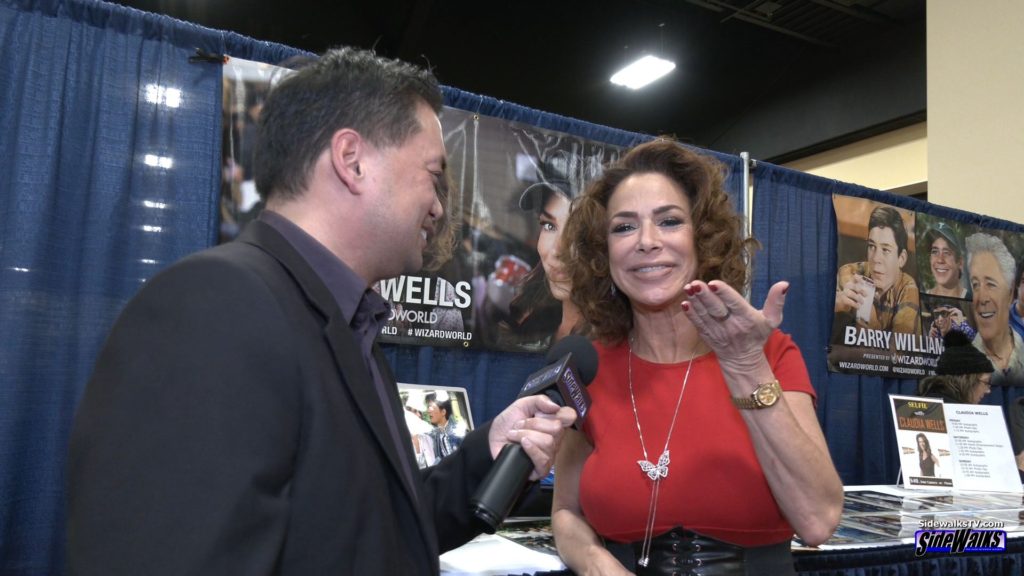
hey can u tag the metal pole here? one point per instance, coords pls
(748, 214)
(748, 196)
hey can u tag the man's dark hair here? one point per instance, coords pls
(888, 217)
(344, 88)
(446, 406)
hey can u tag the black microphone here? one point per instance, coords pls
(573, 364)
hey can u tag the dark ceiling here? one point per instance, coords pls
(779, 78)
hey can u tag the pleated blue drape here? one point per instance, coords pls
(109, 171)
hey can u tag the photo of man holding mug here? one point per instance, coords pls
(877, 293)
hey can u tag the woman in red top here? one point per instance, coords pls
(702, 447)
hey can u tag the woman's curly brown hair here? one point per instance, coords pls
(722, 251)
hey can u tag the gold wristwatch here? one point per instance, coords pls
(764, 396)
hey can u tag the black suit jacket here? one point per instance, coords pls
(231, 427)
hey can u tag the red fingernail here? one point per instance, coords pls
(696, 289)
(784, 290)
(713, 287)
(686, 306)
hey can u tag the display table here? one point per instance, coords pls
(875, 537)
(876, 534)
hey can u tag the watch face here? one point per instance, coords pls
(767, 394)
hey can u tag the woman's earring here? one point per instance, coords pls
(614, 290)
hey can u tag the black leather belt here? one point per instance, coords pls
(682, 552)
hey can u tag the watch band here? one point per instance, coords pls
(747, 403)
(764, 396)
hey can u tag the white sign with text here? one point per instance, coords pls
(959, 446)
(982, 455)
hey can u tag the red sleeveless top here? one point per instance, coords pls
(715, 485)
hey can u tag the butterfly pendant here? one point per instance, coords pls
(655, 472)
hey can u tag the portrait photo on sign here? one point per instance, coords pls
(438, 418)
(941, 259)
(877, 270)
(924, 449)
(994, 262)
(876, 327)
(940, 314)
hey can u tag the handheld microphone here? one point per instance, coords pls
(572, 366)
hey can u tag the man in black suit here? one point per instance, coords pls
(241, 419)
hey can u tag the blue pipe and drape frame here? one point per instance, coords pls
(103, 182)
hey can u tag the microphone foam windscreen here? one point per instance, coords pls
(584, 355)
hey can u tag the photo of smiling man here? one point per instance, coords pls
(992, 271)
(940, 258)
(877, 327)
(877, 293)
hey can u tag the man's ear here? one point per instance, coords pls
(348, 149)
(903, 257)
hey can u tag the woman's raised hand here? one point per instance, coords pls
(734, 329)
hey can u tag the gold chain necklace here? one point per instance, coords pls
(653, 471)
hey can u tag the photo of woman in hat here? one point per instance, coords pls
(542, 310)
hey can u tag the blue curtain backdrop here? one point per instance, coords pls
(103, 182)
(100, 187)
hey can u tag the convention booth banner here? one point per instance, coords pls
(906, 278)
(510, 189)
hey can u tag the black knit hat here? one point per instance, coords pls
(961, 357)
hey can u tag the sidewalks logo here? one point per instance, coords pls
(959, 541)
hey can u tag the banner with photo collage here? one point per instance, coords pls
(906, 278)
(510, 190)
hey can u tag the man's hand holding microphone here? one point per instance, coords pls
(525, 436)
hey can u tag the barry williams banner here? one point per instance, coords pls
(511, 188)
(905, 279)
(877, 324)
